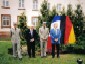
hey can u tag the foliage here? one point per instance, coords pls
(23, 26)
(46, 14)
(44, 11)
(52, 14)
(76, 16)
(5, 58)
(69, 11)
(79, 19)
(63, 13)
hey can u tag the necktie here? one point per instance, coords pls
(15, 29)
(31, 33)
(56, 31)
(44, 28)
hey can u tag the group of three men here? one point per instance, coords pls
(31, 38)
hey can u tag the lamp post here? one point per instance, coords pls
(79, 61)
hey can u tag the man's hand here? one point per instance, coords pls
(32, 40)
(44, 39)
(56, 39)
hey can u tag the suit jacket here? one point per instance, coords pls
(43, 33)
(15, 35)
(54, 35)
(28, 35)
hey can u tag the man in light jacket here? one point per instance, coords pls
(15, 38)
(43, 33)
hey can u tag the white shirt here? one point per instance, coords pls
(55, 31)
(31, 31)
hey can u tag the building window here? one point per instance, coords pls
(21, 4)
(35, 4)
(5, 21)
(58, 7)
(5, 4)
(35, 20)
(48, 6)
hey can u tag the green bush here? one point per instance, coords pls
(78, 48)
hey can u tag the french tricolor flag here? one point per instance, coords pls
(67, 30)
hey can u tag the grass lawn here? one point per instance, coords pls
(5, 38)
(64, 58)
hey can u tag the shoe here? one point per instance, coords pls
(58, 56)
(53, 57)
(29, 56)
(42, 56)
(45, 56)
(34, 57)
(15, 58)
(20, 59)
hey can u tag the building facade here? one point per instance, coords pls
(10, 10)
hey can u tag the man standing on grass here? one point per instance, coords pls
(31, 35)
(15, 38)
(55, 34)
(43, 33)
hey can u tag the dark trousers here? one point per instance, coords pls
(57, 49)
(31, 49)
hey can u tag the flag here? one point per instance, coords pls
(57, 20)
(66, 27)
(69, 32)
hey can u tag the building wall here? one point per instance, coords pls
(14, 9)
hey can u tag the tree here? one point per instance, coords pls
(44, 11)
(79, 19)
(63, 13)
(52, 14)
(46, 14)
(69, 10)
(23, 26)
(70, 13)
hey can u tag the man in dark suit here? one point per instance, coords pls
(30, 38)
